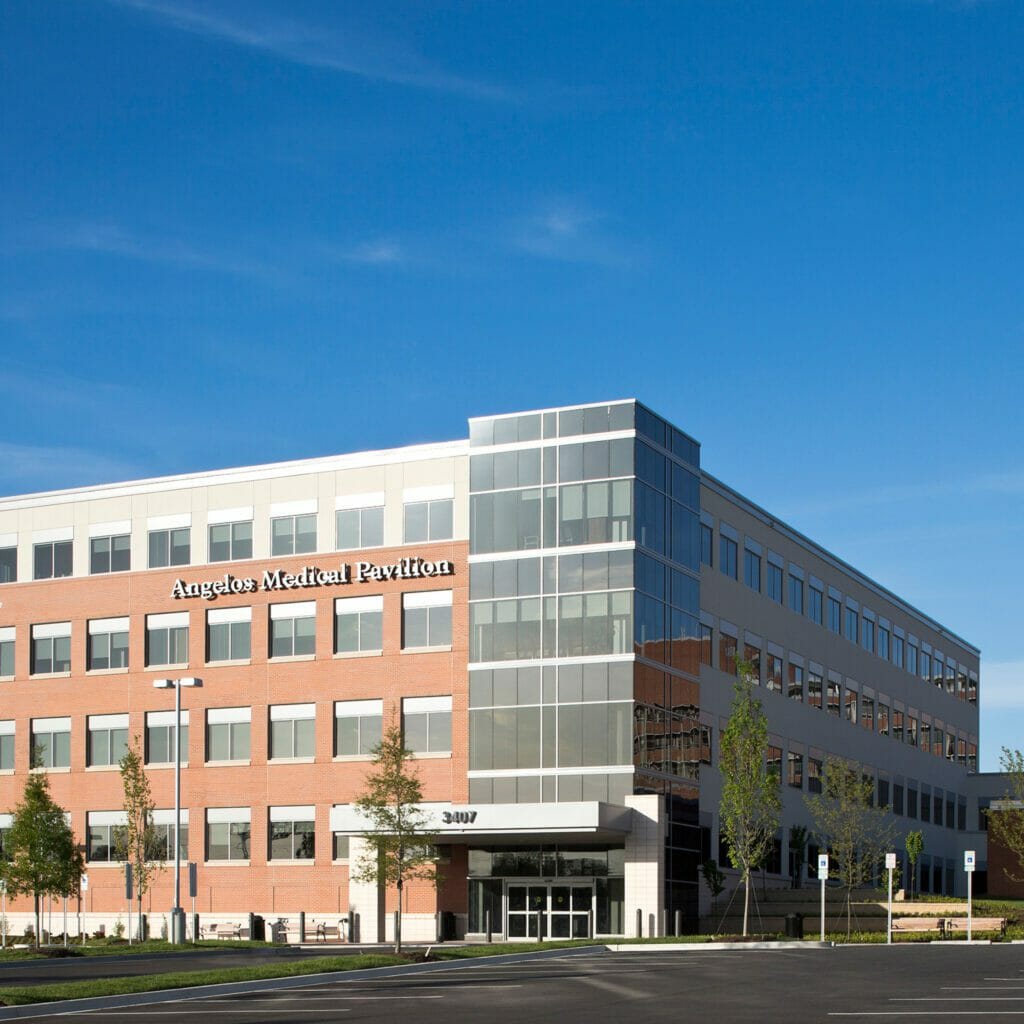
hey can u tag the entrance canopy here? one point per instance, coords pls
(468, 823)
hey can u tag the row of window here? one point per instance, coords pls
(290, 835)
(291, 733)
(827, 691)
(358, 629)
(355, 528)
(826, 606)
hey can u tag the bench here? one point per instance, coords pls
(920, 924)
(227, 931)
(978, 924)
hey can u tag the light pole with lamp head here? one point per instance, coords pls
(177, 914)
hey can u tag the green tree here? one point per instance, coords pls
(858, 834)
(44, 859)
(751, 806)
(714, 878)
(1006, 819)
(798, 836)
(400, 847)
(914, 844)
(136, 842)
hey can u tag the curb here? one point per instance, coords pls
(67, 1006)
(699, 947)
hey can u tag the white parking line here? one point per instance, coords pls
(927, 1013)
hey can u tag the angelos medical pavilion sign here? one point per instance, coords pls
(310, 576)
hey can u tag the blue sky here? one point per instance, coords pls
(235, 232)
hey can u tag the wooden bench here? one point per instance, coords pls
(920, 924)
(978, 924)
(227, 931)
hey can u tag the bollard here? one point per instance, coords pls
(395, 925)
(639, 923)
(439, 936)
(195, 927)
(357, 925)
(590, 923)
(664, 922)
(487, 927)
(252, 924)
(302, 926)
(679, 924)
(540, 934)
(351, 930)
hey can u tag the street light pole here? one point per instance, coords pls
(177, 914)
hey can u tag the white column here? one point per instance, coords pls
(645, 862)
(365, 898)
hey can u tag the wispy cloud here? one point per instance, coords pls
(570, 232)
(113, 240)
(318, 46)
(381, 251)
(27, 468)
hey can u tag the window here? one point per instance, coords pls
(752, 569)
(775, 763)
(360, 528)
(752, 655)
(428, 520)
(814, 688)
(160, 737)
(357, 727)
(834, 697)
(925, 664)
(796, 594)
(851, 705)
(6, 652)
(108, 644)
(795, 775)
(706, 544)
(912, 659)
(230, 542)
(292, 731)
(727, 551)
(852, 624)
(293, 629)
(167, 639)
(727, 653)
(163, 834)
(52, 559)
(427, 724)
(292, 833)
(107, 740)
(51, 742)
(774, 582)
(897, 798)
(883, 718)
(706, 642)
(358, 624)
(911, 735)
(170, 547)
(292, 535)
(7, 746)
(867, 634)
(228, 832)
(897, 651)
(341, 846)
(883, 642)
(51, 648)
(104, 834)
(427, 619)
(897, 723)
(815, 598)
(867, 712)
(773, 677)
(815, 770)
(834, 614)
(8, 561)
(796, 683)
(227, 734)
(228, 634)
(110, 554)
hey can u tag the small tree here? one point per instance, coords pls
(400, 849)
(858, 833)
(914, 844)
(44, 859)
(136, 842)
(751, 806)
(714, 878)
(798, 837)
(1006, 821)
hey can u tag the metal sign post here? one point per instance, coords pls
(969, 862)
(890, 866)
(3, 912)
(823, 876)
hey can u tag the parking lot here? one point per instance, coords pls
(900, 982)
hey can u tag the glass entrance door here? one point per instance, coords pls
(559, 911)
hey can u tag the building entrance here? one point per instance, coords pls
(559, 911)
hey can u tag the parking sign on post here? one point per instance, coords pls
(969, 862)
(823, 877)
(890, 867)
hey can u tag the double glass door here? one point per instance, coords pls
(558, 911)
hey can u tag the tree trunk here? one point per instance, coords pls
(39, 918)
(398, 921)
(746, 899)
